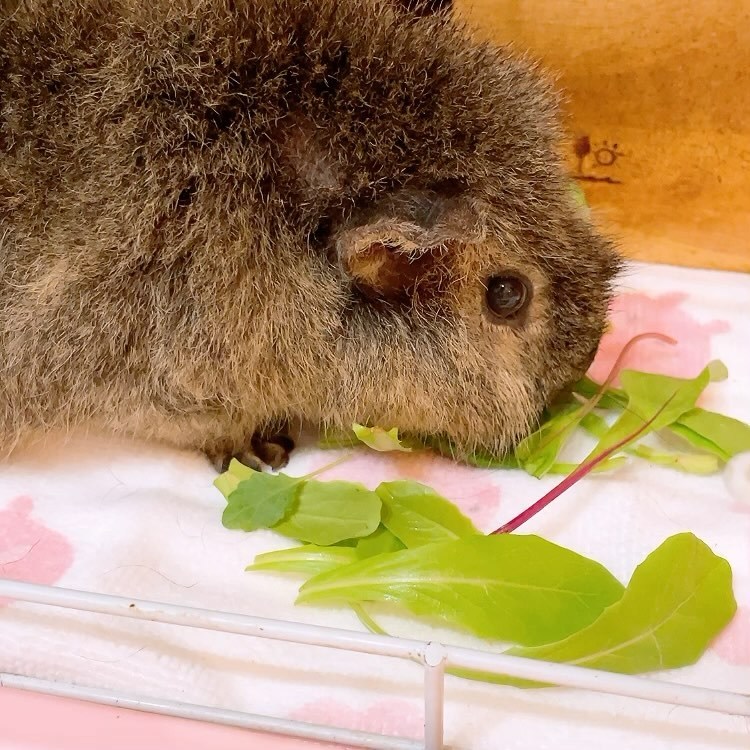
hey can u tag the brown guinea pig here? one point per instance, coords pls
(219, 215)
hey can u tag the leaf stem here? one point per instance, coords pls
(594, 400)
(589, 406)
(575, 476)
(327, 467)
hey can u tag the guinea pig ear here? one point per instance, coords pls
(385, 260)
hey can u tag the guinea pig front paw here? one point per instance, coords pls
(272, 450)
(262, 449)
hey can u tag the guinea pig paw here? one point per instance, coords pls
(272, 450)
(261, 450)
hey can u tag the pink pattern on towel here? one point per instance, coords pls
(733, 643)
(29, 551)
(635, 313)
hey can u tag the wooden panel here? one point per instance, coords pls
(659, 104)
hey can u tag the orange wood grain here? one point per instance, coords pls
(669, 83)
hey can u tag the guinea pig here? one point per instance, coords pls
(217, 216)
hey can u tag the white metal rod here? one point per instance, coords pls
(434, 696)
(256, 722)
(498, 664)
(599, 681)
(208, 619)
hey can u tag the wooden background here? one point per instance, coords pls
(659, 115)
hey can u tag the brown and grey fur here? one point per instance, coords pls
(216, 215)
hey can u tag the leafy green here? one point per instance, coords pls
(693, 463)
(715, 437)
(538, 452)
(377, 543)
(407, 545)
(330, 512)
(509, 587)
(716, 433)
(227, 482)
(260, 501)
(607, 465)
(366, 620)
(337, 439)
(678, 599)
(614, 398)
(321, 513)
(309, 559)
(650, 395)
(417, 515)
(379, 439)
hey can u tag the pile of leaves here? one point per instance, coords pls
(693, 439)
(405, 545)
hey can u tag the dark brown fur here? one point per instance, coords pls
(193, 194)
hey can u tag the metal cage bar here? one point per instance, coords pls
(434, 657)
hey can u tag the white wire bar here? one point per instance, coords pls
(433, 656)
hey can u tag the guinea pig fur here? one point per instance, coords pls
(220, 215)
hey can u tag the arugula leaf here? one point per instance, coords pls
(538, 452)
(330, 512)
(377, 543)
(509, 587)
(417, 515)
(692, 463)
(236, 472)
(578, 195)
(568, 468)
(366, 620)
(613, 398)
(647, 396)
(721, 435)
(260, 501)
(309, 559)
(678, 599)
(337, 439)
(379, 439)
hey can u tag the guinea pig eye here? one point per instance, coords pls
(507, 296)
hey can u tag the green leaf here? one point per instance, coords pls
(487, 461)
(721, 435)
(614, 398)
(609, 464)
(647, 394)
(692, 463)
(508, 587)
(227, 482)
(366, 620)
(309, 559)
(260, 501)
(337, 439)
(417, 515)
(378, 543)
(678, 599)
(539, 451)
(379, 439)
(578, 195)
(330, 512)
